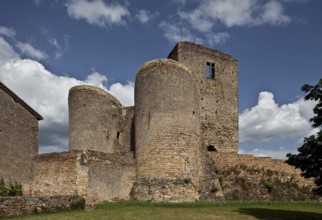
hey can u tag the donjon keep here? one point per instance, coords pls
(185, 106)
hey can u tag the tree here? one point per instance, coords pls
(309, 158)
(315, 93)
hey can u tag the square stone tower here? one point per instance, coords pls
(216, 74)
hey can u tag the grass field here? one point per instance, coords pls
(199, 210)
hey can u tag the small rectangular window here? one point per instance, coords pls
(210, 70)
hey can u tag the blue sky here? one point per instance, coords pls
(48, 46)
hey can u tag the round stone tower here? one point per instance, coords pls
(167, 132)
(94, 119)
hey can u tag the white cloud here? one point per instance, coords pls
(197, 20)
(47, 93)
(217, 38)
(275, 154)
(9, 32)
(60, 44)
(273, 13)
(59, 51)
(267, 120)
(97, 12)
(30, 51)
(177, 32)
(143, 16)
(124, 93)
(54, 42)
(6, 51)
(235, 13)
(204, 16)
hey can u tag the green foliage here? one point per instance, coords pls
(309, 159)
(315, 93)
(10, 189)
(3, 188)
(79, 205)
(269, 172)
(269, 186)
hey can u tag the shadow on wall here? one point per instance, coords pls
(271, 214)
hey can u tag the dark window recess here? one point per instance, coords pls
(211, 148)
(118, 135)
(210, 70)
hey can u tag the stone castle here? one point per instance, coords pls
(184, 106)
(186, 109)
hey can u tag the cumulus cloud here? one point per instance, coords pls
(235, 13)
(47, 93)
(9, 32)
(267, 120)
(124, 93)
(97, 12)
(30, 51)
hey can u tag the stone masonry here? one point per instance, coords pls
(18, 138)
(168, 147)
(184, 106)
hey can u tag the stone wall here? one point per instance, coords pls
(225, 160)
(110, 178)
(12, 206)
(167, 123)
(246, 177)
(55, 174)
(219, 93)
(96, 176)
(18, 140)
(94, 119)
(126, 138)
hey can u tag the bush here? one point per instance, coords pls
(10, 189)
(269, 186)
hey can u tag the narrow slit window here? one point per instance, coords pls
(210, 70)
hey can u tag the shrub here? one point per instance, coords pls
(78, 205)
(269, 186)
(10, 189)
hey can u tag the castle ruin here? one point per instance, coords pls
(186, 109)
(184, 106)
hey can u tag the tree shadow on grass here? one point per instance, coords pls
(271, 214)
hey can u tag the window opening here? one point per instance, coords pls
(210, 70)
(118, 135)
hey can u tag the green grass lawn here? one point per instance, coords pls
(199, 210)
